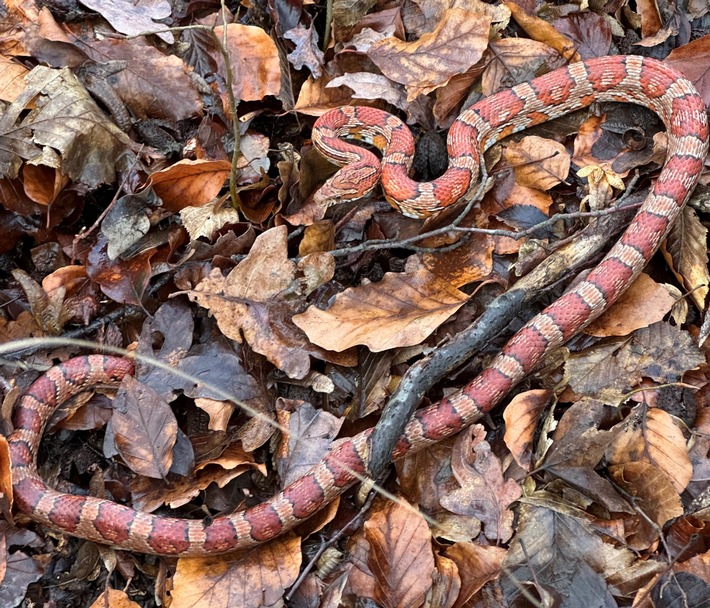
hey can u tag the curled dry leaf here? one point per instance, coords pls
(686, 252)
(521, 416)
(190, 182)
(542, 31)
(258, 577)
(401, 310)
(652, 436)
(426, 64)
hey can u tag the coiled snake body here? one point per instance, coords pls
(628, 79)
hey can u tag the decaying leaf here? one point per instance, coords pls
(65, 129)
(483, 492)
(254, 303)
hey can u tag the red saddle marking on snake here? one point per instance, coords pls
(628, 79)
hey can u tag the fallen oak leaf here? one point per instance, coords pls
(482, 490)
(256, 301)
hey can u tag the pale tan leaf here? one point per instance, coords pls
(206, 220)
(401, 310)
(642, 304)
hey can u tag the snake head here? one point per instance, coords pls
(351, 183)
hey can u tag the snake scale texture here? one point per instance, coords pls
(627, 79)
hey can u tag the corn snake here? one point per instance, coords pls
(628, 79)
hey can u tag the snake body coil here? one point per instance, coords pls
(628, 79)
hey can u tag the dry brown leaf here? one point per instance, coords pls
(252, 579)
(482, 490)
(311, 433)
(366, 85)
(472, 261)
(692, 60)
(145, 429)
(306, 54)
(426, 64)
(43, 184)
(256, 302)
(316, 98)
(219, 412)
(685, 250)
(642, 304)
(516, 60)
(401, 310)
(190, 182)
(609, 370)
(154, 84)
(151, 494)
(135, 18)
(12, 75)
(521, 416)
(6, 494)
(254, 59)
(652, 436)
(538, 162)
(400, 559)
(317, 237)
